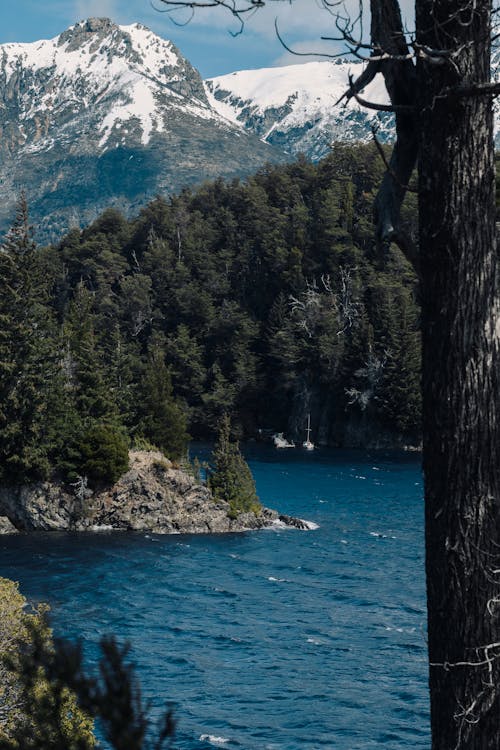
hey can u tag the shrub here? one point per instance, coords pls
(162, 464)
(140, 443)
(103, 451)
(26, 703)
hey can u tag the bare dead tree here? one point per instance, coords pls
(348, 307)
(439, 85)
(370, 376)
(307, 308)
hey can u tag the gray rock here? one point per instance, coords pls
(152, 496)
(6, 527)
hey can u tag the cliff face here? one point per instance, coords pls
(152, 496)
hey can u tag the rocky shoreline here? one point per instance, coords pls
(153, 496)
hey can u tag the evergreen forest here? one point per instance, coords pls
(265, 298)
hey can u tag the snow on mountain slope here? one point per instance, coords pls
(108, 115)
(112, 76)
(296, 107)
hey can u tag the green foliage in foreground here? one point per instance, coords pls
(47, 699)
(231, 479)
(29, 696)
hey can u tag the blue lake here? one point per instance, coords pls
(279, 639)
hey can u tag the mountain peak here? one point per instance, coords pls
(115, 81)
(89, 32)
(90, 26)
(106, 114)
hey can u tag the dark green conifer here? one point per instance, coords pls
(29, 365)
(231, 479)
(162, 420)
(103, 453)
(85, 367)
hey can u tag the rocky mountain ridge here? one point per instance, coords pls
(108, 115)
(300, 109)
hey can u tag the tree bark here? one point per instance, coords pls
(461, 396)
(387, 36)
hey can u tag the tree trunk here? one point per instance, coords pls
(460, 328)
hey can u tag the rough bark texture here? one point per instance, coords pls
(460, 378)
(400, 80)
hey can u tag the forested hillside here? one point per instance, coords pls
(264, 298)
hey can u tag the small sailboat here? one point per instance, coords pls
(281, 442)
(307, 444)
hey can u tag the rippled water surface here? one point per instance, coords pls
(279, 639)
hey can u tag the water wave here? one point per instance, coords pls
(213, 739)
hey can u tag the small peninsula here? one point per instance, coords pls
(152, 496)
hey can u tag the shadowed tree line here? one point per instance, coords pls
(265, 299)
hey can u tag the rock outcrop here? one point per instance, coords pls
(6, 527)
(152, 496)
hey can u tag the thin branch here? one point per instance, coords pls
(382, 107)
(303, 54)
(237, 10)
(361, 82)
(402, 108)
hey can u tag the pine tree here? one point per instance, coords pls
(29, 365)
(86, 371)
(162, 420)
(231, 479)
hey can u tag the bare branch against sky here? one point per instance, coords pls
(206, 40)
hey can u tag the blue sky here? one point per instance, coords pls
(206, 41)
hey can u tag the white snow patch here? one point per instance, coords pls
(141, 105)
(308, 88)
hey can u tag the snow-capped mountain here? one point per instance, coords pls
(114, 78)
(113, 115)
(106, 114)
(297, 107)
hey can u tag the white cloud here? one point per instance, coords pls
(293, 16)
(297, 21)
